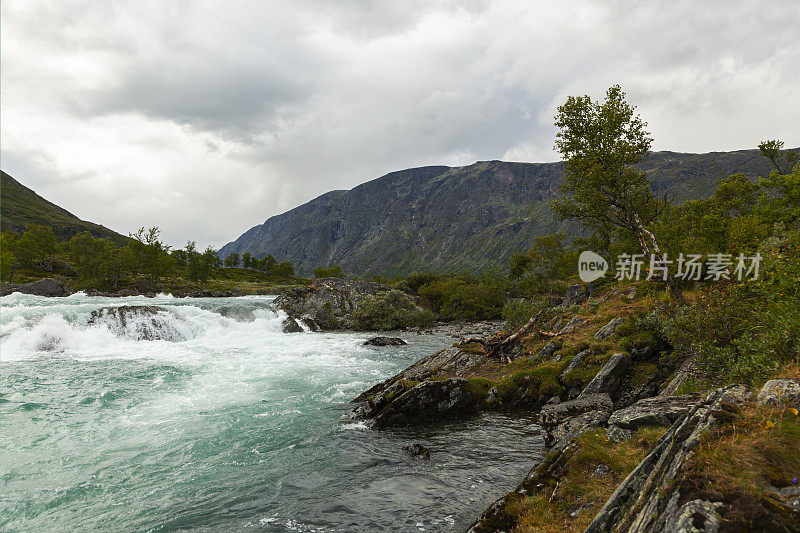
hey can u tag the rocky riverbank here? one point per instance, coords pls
(606, 385)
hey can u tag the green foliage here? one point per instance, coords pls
(743, 332)
(232, 259)
(151, 256)
(391, 310)
(334, 271)
(466, 297)
(600, 143)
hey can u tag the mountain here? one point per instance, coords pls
(454, 218)
(20, 206)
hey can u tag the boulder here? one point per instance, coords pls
(609, 329)
(329, 302)
(780, 393)
(48, 287)
(618, 434)
(576, 295)
(547, 351)
(571, 325)
(385, 341)
(609, 377)
(426, 402)
(660, 410)
(290, 325)
(139, 322)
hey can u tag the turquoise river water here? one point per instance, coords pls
(224, 424)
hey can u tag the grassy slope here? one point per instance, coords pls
(20, 206)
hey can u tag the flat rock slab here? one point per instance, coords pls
(661, 410)
(556, 413)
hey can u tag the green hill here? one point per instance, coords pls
(20, 207)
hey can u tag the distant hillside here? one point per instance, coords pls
(20, 206)
(454, 218)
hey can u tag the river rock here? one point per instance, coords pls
(780, 392)
(574, 427)
(385, 341)
(418, 451)
(660, 410)
(609, 329)
(139, 322)
(290, 325)
(329, 302)
(428, 401)
(48, 287)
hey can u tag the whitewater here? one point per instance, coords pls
(223, 423)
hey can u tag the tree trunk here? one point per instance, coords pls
(641, 232)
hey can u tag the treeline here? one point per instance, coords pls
(268, 264)
(99, 261)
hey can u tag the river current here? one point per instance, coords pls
(223, 423)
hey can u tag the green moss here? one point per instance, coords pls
(479, 387)
(471, 347)
(541, 380)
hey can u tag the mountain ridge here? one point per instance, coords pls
(21, 206)
(440, 218)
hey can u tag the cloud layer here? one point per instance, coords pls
(206, 118)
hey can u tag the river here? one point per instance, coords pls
(223, 424)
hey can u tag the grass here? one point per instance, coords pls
(582, 490)
(740, 461)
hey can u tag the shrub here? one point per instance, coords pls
(742, 332)
(516, 313)
(334, 271)
(466, 297)
(391, 310)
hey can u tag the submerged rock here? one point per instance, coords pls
(290, 325)
(47, 287)
(385, 341)
(418, 451)
(139, 322)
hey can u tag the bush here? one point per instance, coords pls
(334, 271)
(391, 310)
(516, 313)
(743, 332)
(466, 297)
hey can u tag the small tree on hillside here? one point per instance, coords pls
(600, 143)
(232, 260)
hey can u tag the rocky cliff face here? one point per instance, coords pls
(446, 219)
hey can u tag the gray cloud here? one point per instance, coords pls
(206, 118)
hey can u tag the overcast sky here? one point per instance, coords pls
(206, 118)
